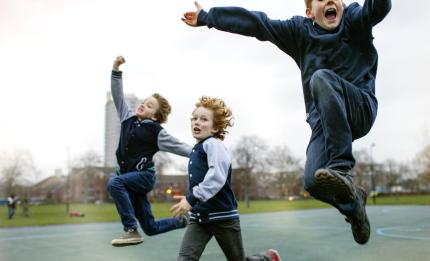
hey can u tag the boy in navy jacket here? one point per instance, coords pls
(210, 200)
(141, 137)
(333, 47)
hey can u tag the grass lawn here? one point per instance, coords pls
(56, 214)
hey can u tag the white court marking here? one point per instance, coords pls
(420, 232)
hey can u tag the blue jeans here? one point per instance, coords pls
(341, 113)
(129, 193)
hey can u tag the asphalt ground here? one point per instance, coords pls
(398, 233)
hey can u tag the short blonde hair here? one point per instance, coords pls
(222, 115)
(308, 3)
(164, 108)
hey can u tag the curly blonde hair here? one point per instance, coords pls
(222, 114)
(164, 108)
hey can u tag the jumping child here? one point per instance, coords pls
(333, 47)
(141, 137)
(211, 202)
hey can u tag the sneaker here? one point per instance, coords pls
(130, 237)
(273, 254)
(360, 225)
(337, 182)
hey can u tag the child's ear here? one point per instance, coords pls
(309, 13)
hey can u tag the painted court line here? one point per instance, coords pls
(405, 232)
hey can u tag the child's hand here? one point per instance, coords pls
(180, 208)
(190, 18)
(118, 61)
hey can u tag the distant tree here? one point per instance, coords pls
(89, 159)
(393, 173)
(16, 168)
(287, 169)
(248, 155)
(410, 184)
(423, 163)
(89, 163)
(380, 176)
(362, 169)
(162, 161)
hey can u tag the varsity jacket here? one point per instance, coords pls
(210, 193)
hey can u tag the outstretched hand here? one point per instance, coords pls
(181, 208)
(118, 61)
(190, 18)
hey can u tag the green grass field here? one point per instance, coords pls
(56, 214)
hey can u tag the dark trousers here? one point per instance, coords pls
(227, 234)
(341, 113)
(11, 212)
(129, 193)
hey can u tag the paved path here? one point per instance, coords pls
(398, 233)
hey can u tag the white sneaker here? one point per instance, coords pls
(130, 237)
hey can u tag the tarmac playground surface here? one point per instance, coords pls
(398, 233)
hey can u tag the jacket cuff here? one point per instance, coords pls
(192, 200)
(117, 74)
(202, 18)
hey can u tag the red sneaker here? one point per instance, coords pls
(274, 255)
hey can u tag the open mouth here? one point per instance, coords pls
(330, 14)
(196, 129)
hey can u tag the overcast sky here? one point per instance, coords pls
(56, 57)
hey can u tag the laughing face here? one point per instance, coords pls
(202, 123)
(326, 13)
(147, 109)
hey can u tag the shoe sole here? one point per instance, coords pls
(335, 185)
(127, 243)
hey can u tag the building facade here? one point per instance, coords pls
(112, 127)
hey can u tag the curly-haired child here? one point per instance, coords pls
(211, 201)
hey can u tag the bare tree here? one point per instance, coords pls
(88, 163)
(362, 170)
(392, 171)
(89, 159)
(423, 163)
(162, 161)
(287, 171)
(16, 168)
(248, 154)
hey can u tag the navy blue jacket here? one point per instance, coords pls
(137, 144)
(348, 51)
(210, 193)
